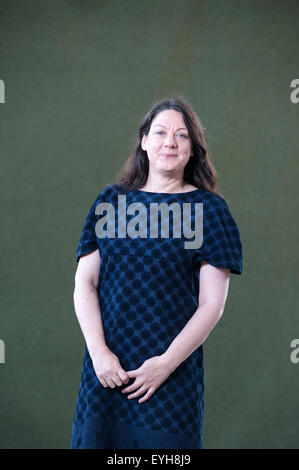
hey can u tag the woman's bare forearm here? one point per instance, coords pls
(87, 308)
(193, 334)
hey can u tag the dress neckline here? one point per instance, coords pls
(167, 194)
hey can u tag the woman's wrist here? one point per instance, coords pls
(98, 349)
(170, 360)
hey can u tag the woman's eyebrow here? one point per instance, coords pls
(165, 127)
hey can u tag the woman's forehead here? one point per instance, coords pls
(167, 119)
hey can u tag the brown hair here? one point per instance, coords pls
(199, 171)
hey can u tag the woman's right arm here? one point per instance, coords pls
(86, 302)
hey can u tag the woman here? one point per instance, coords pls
(145, 303)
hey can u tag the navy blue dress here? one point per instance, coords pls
(148, 290)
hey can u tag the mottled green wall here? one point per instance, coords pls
(79, 76)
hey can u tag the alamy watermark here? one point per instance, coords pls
(2, 352)
(294, 356)
(181, 217)
(2, 91)
(294, 96)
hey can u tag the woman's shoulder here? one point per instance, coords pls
(209, 197)
(108, 190)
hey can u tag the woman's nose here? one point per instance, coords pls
(170, 140)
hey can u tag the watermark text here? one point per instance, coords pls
(138, 225)
(294, 96)
(295, 353)
(2, 91)
(2, 352)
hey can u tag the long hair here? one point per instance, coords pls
(199, 171)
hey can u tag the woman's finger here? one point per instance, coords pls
(123, 376)
(131, 388)
(103, 383)
(139, 392)
(110, 382)
(147, 395)
(115, 378)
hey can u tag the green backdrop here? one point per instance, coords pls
(79, 75)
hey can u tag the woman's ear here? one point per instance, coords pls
(143, 143)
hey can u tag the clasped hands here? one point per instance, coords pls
(148, 377)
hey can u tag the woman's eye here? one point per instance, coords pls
(161, 132)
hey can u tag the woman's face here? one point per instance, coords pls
(168, 144)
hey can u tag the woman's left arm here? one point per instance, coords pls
(213, 290)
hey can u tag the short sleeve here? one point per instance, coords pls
(88, 240)
(222, 246)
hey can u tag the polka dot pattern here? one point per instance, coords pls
(148, 290)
